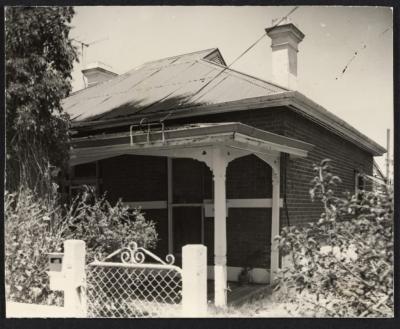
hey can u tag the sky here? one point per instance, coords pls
(126, 37)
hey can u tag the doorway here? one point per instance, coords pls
(187, 226)
(191, 182)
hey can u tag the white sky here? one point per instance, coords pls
(363, 96)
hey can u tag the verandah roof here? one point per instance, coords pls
(178, 140)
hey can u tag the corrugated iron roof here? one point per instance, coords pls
(181, 81)
(193, 84)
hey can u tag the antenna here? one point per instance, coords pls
(86, 45)
(83, 46)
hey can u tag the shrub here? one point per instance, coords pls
(343, 264)
(35, 226)
(106, 228)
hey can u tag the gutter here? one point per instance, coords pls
(292, 99)
(319, 114)
(280, 99)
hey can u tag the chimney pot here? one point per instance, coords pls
(284, 43)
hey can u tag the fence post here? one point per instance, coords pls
(194, 280)
(75, 278)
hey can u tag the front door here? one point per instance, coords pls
(187, 228)
(191, 184)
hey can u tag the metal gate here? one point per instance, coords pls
(123, 286)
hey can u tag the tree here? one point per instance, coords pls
(39, 61)
(343, 264)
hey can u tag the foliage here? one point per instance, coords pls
(106, 228)
(35, 226)
(343, 264)
(39, 61)
(28, 237)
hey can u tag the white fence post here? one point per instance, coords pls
(194, 280)
(75, 278)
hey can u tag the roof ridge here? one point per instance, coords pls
(209, 50)
(247, 75)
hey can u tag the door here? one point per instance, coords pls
(187, 226)
(191, 184)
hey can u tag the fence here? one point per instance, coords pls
(132, 288)
(133, 282)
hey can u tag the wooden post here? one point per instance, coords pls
(75, 279)
(220, 276)
(194, 280)
(169, 205)
(275, 219)
(387, 156)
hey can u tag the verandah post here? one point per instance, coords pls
(220, 163)
(275, 219)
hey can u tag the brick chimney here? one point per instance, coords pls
(97, 72)
(285, 39)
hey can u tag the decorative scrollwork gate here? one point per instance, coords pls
(122, 285)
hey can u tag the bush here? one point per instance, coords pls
(343, 264)
(28, 237)
(36, 226)
(106, 228)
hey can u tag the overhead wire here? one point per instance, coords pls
(233, 62)
(263, 35)
(246, 51)
(357, 52)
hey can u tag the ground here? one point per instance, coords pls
(264, 307)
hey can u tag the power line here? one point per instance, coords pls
(247, 50)
(227, 67)
(264, 34)
(356, 53)
(390, 27)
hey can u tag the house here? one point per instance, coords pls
(212, 155)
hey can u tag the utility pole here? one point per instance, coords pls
(388, 155)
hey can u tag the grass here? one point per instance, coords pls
(267, 306)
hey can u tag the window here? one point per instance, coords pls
(359, 181)
(85, 174)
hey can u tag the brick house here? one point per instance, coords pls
(212, 155)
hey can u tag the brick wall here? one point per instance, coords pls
(136, 178)
(192, 181)
(248, 229)
(248, 177)
(160, 218)
(248, 237)
(346, 157)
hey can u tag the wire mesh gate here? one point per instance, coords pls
(132, 288)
